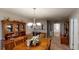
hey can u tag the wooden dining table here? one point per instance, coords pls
(44, 44)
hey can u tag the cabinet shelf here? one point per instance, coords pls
(13, 29)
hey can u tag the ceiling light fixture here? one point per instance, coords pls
(34, 24)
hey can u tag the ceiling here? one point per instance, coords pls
(41, 13)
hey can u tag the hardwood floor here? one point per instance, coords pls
(57, 46)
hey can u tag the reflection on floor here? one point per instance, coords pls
(55, 45)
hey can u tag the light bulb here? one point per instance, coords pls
(38, 24)
(29, 24)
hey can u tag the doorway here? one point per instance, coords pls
(57, 32)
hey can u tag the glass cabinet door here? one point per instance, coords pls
(22, 27)
(17, 27)
(9, 28)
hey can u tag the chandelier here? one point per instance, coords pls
(34, 23)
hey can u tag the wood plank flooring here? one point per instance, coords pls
(57, 46)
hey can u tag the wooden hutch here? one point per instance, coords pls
(13, 31)
(65, 37)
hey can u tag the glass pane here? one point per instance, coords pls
(9, 27)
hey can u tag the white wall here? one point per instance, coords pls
(1, 18)
(74, 33)
(77, 15)
(71, 35)
(74, 30)
(76, 38)
(0, 35)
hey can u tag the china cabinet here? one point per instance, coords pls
(11, 30)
